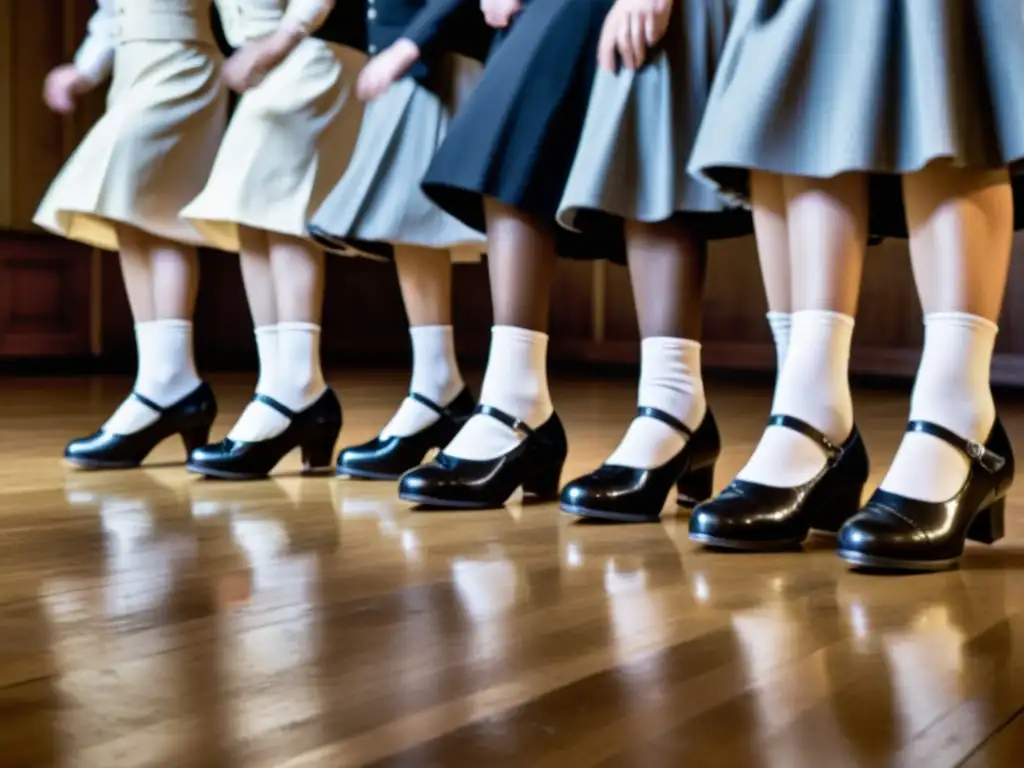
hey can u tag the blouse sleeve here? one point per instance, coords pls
(307, 15)
(95, 57)
(431, 23)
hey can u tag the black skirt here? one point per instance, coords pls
(516, 136)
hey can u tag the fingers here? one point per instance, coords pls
(624, 41)
(606, 46)
(638, 37)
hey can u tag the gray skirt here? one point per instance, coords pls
(817, 88)
(640, 129)
(378, 204)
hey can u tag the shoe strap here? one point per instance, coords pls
(978, 453)
(645, 411)
(805, 429)
(518, 426)
(148, 403)
(281, 408)
(440, 410)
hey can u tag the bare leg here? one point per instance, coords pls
(771, 225)
(297, 277)
(961, 230)
(254, 260)
(161, 278)
(667, 265)
(425, 277)
(521, 263)
(827, 221)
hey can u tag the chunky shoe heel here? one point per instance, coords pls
(696, 486)
(187, 417)
(757, 517)
(989, 526)
(625, 494)
(387, 458)
(195, 437)
(314, 430)
(543, 482)
(534, 465)
(898, 533)
(318, 452)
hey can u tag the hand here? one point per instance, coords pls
(252, 62)
(386, 68)
(499, 13)
(630, 28)
(62, 88)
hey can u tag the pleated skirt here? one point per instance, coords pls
(515, 138)
(288, 143)
(378, 203)
(150, 153)
(640, 129)
(818, 88)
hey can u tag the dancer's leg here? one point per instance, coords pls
(667, 264)
(161, 279)
(297, 268)
(254, 260)
(961, 230)
(827, 222)
(425, 278)
(521, 262)
(771, 226)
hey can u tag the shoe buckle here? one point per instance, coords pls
(985, 458)
(520, 428)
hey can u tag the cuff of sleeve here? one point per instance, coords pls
(298, 27)
(94, 70)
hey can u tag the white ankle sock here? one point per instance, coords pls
(167, 373)
(266, 350)
(295, 381)
(814, 387)
(952, 389)
(781, 323)
(435, 375)
(516, 382)
(669, 381)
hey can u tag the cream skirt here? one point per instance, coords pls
(150, 154)
(378, 204)
(288, 144)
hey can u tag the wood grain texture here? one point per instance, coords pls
(151, 619)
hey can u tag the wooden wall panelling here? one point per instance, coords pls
(44, 283)
(6, 113)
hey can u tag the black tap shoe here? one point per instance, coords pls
(191, 417)
(314, 429)
(894, 532)
(630, 495)
(752, 516)
(389, 457)
(535, 465)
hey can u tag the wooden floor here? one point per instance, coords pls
(151, 619)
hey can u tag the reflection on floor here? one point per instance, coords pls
(151, 619)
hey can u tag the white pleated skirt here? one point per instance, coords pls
(289, 142)
(150, 153)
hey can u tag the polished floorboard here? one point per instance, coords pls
(148, 618)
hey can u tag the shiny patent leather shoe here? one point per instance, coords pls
(314, 429)
(894, 532)
(387, 458)
(752, 516)
(191, 417)
(630, 495)
(535, 465)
